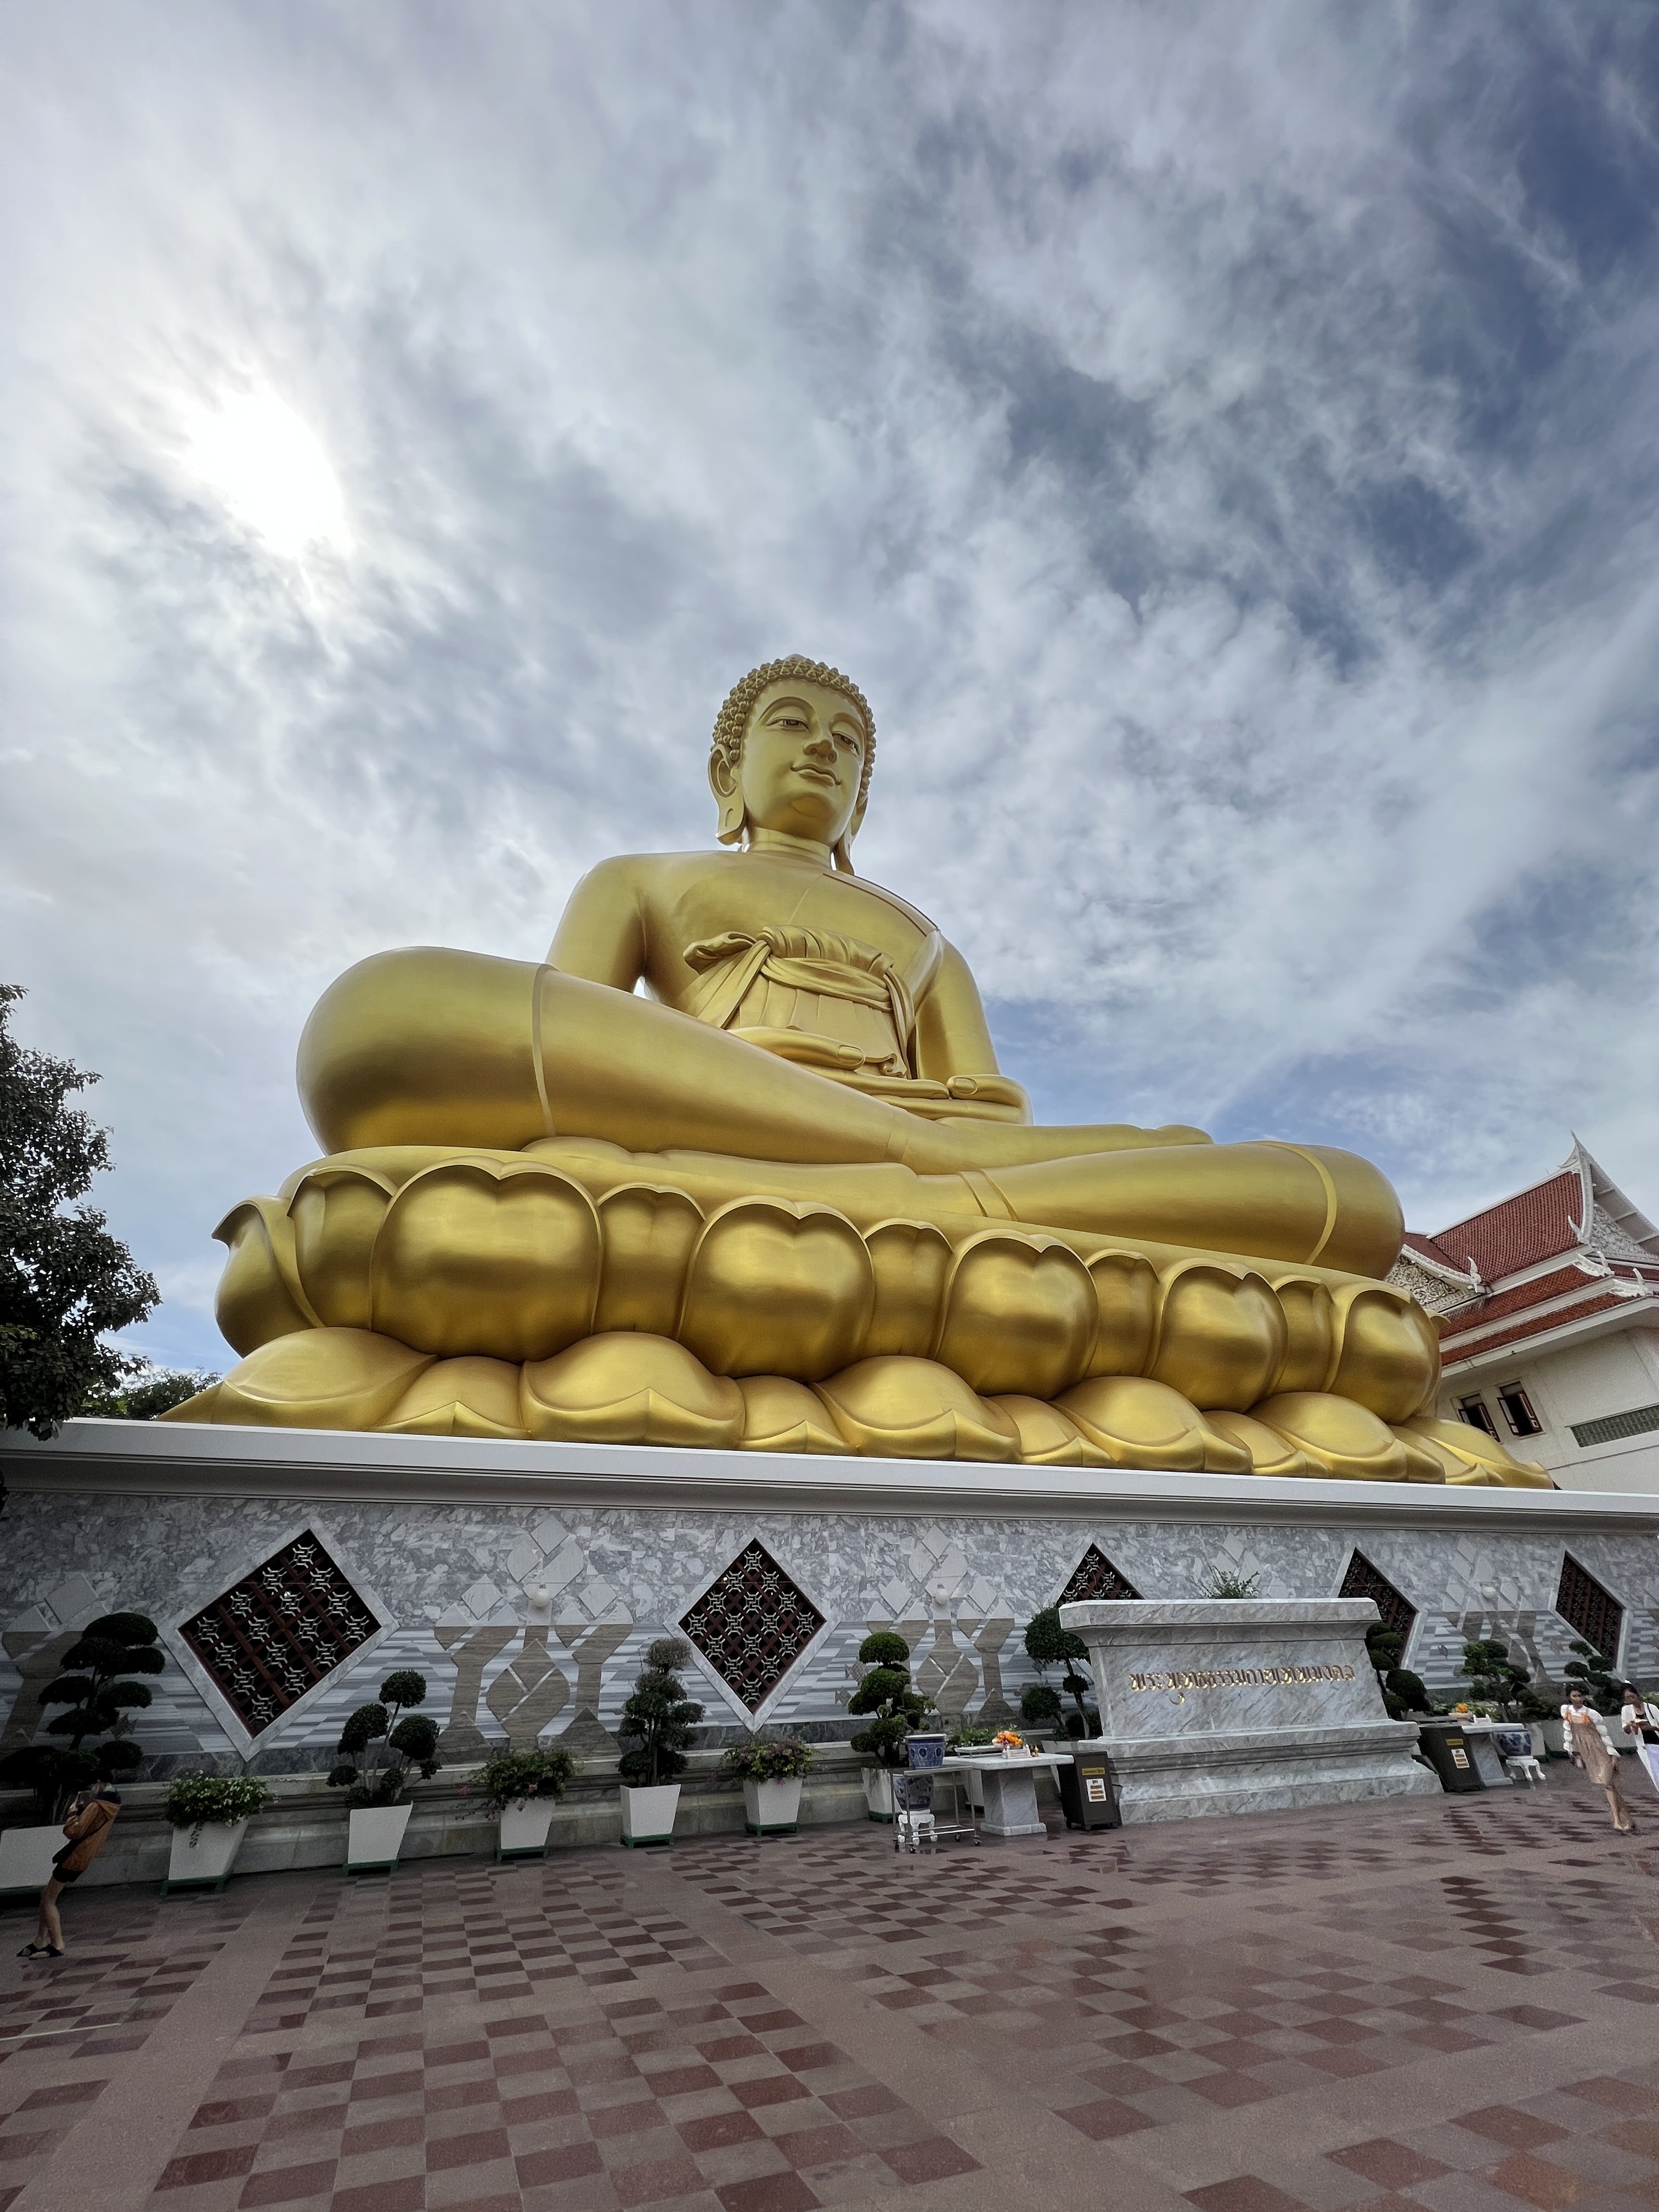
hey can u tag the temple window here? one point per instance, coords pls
(1475, 1412)
(1517, 1411)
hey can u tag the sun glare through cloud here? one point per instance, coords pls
(269, 469)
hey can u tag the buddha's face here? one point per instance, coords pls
(803, 762)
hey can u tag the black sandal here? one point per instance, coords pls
(33, 1951)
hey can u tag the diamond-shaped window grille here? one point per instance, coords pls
(1363, 1580)
(1593, 1612)
(1094, 1576)
(751, 1624)
(279, 1631)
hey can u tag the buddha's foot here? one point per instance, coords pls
(625, 1387)
(509, 1258)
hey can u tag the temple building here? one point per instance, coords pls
(1548, 1308)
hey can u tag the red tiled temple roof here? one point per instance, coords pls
(1535, 1326)
(1519, 1231)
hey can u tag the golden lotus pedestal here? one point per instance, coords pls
(548, 1294)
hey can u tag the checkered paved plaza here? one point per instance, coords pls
(1451, 2005)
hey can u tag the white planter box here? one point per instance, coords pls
(210, 1858)
(878, 1793)
(647, 1816)
(25, 1855)
(376, 1836)
(524, 1827)
(772, 1809)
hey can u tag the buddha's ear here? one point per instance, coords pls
(728, 797)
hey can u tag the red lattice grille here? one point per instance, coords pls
(1363, 1580)
(1595, 1613)
(1094, 1576)
(752, 1624)
(279, 1631)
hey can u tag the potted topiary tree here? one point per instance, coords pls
(524, 1787)
(210, 1815)
(98, 1689)
(1047, 1645)
(381, 1800)
(771, 1775)
(1403, 1693)
(656, 1727)
(894, 1709)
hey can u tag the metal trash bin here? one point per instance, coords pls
(1087, 1789)
(1451, 1754)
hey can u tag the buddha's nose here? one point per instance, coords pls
(821, 746)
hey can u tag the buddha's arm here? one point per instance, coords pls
(601, 933)
(953, 1040)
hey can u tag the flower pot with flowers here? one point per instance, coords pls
(210, 1815)
(655, 1728)
(523, 1788)
(771, 1775)
(381, 1796)
(894, 1709)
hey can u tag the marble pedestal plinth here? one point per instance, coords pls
(526, 1581)
(1243, 1705)
(1008, 1792)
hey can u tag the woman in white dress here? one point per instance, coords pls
(1590, 1743)
(1640, 1719)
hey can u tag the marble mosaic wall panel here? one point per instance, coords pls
(529, 1623)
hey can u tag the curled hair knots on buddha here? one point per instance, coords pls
(732, 725)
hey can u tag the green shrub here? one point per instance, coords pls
(1221, 1581)
(1403, 1693)
(411, 1738)
(885, 1694)
(214, 1800)
(1039, 1706)
(658, 1719)
(785, 1759)
(97, 1688)
(512, 1778)
(970, 1739)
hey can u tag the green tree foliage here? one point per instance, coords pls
(64, 1281)
(1495, 1678)
(1040, 1706)
(410, 1737)
(658, 1719)
(146, 1392)
(1402, 1691)
(886, 1696)
(1047, 1645)
(98, 1690)
(1594, 1672)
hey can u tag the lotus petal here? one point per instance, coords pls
(1340, 1437)
(782, 1416)
(337, 1213)
(1048, 1438)
(1310, 1348)
(910, 1261)
(466, 1397)
(1019, 1314)
(1470, 1455)
(477, 1256)
(1126, 1313)
(649, 1233)
(890, 1408)
(1390, 1355)
(1269, 1452)
(629, 1388)
(1221, 1334)
(1136, 1422)
(777, 1288)
(260, 1298)
(321, 1378)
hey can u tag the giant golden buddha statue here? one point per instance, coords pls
(735, 1166)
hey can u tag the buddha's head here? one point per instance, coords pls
(792, 751)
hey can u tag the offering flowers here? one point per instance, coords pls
(1008, 1741)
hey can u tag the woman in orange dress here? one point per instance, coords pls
(1590, 1743)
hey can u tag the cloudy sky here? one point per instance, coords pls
(1220, 440)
